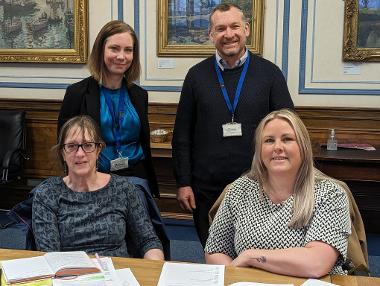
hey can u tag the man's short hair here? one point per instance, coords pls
(223, 7)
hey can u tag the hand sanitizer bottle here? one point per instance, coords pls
(332, 143)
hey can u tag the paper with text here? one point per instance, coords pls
(189, 274)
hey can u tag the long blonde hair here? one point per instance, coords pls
(307, 176)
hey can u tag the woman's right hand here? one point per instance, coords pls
(243, 259)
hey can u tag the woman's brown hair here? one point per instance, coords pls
(96, 60)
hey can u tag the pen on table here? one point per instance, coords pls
(99, 261)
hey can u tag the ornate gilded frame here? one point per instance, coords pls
(351, 50)
(165, 49)
(77, 55)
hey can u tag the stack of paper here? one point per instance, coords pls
(186, 274)
(107, 276)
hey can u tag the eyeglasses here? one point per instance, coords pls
(87, 147)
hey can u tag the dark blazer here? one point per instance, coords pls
(83, 97)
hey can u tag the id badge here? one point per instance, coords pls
(119, 164)
(232, 129)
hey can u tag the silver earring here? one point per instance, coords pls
(65, 168)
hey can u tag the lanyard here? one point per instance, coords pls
(117, 119)
(231, 107)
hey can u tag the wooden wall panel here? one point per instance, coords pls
(351, 124)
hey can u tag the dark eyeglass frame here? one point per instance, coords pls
(93, 147)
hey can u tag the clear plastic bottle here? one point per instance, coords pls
(332, 143)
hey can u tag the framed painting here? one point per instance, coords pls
(43, 31)
(361, 38)
(183, 26)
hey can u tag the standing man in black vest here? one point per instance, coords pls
(222, 101)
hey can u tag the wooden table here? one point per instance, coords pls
(147, 272)
(355, 280)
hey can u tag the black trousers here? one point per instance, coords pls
(204, 200)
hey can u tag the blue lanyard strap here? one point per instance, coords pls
(117, 119)
(231, 107)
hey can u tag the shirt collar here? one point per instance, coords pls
(223, 64)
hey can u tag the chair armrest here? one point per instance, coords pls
(8, 156)
(7, 159)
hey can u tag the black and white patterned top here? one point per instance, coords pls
(95, 222)
(247, 219)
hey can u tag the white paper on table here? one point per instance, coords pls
(257, 284)
(126, 277)
(316, 282)
(26, 267)
(191, 274)
(120, 277)
(96, 279)
(107, 269)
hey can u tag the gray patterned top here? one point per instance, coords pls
(247, 219)
(65, 220)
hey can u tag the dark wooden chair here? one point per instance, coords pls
(12, 144)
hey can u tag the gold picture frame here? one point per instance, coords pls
(361, 37)
(53, 32)
(194, 42)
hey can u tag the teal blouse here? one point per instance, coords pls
(130, 128)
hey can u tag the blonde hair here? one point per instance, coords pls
(307, 176)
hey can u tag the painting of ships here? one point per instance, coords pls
(12, 25)
(48, 24)
(40, 23)
(20, 5)
(55, 14)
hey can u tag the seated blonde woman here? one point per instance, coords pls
(284, 216)
(86, 209)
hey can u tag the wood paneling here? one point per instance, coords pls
(350, 124)
(360, 125)
(361, 171)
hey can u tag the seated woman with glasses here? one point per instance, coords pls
(86, 209)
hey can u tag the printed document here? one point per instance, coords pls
(191, 274)
(120, 277)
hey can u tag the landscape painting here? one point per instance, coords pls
(183, 26)
(361, 37)
(43, 30)
(369, 24)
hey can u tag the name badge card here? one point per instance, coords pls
(232, 129)
(119, 164)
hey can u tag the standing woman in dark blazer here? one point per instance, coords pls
(119, 106)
